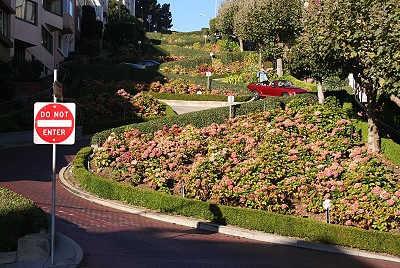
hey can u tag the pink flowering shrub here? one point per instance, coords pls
(217, 68)
(120, 105)
(286, 161)
(183, 86)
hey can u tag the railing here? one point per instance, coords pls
(384, 127)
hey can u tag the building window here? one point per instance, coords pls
(3, 23)
(54, 6)
(47, 40)
(63, 44)
(68, 7)
(26, 10)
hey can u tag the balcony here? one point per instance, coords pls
(5, 41)
(53, 21)
(68, 24)
(5, 5)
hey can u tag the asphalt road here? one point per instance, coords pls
(111, 238)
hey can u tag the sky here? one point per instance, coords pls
(191, 15)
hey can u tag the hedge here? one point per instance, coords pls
(197, 58)
(18, 217)
(91, 128)
(109, 73)
(268, 222)
(197, 119)
(215, 84)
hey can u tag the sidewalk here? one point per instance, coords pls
(68, 254)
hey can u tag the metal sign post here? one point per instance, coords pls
(208, 74)
(53, 189)
(231, 100)
(54, 123)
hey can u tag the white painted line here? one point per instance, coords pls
(54, 123)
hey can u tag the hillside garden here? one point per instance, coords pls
(281, 156)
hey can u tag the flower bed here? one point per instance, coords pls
(287, 161)
(120, 105)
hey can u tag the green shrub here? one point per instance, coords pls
(9, 86)
(18, 217)
(189, 53)
(215, 84)
(109, 73)
(197, 119)
(389, 148)
(91, 128)
(17, 121)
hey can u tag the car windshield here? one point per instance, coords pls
(284, 83)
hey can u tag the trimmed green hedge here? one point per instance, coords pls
(109, 73)
(197, 119)
(215, 84)
(18, 217)
(196, 58)
(246, 218)
(91, 128)
(175, 50)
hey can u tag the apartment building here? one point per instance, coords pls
(6, 43)
(45, 30)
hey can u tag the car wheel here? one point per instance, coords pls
(256, 95)
(284, 94)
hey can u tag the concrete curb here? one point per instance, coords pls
(228, 230)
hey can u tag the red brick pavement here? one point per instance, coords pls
(111, 238)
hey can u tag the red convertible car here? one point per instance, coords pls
(275, 88)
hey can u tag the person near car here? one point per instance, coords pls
(262, 76)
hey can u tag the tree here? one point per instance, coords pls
(364, 36)
(117, 11)
(271, 24)
(128, 30)
(307, 59)
(162, 18)
(226, 18)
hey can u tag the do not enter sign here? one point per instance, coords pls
(54, 123)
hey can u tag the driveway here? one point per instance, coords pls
(111, 238)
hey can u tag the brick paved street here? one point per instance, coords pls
(110, 238)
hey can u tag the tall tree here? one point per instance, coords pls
(117, 11)
(271, 24)
(364, 35)
(162, 18)
(155, 16)
(226, 18)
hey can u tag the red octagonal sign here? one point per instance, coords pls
(54, 123)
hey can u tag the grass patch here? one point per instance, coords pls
(18, 217)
